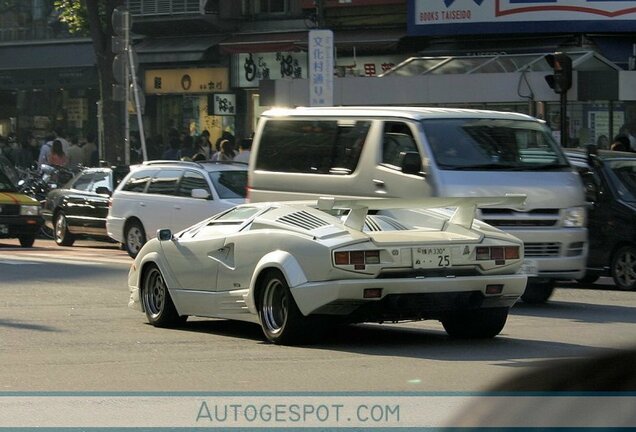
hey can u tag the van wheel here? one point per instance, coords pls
(538, 292)
(476, 324)
(62, 236)
(135, 238)
(624, 268)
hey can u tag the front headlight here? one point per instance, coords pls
(29, 210)
(574, 217)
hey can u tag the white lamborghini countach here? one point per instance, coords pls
(295, 267)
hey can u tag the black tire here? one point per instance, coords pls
(27, 240)
(476, 324)
(134, 238)
(158, 305)
(538, 292)
(62, 236)
(589, 278)
(623, 268)
(281, 320)
(46, 233)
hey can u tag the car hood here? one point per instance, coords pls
(542, 189)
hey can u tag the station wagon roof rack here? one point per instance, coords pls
(191, 163)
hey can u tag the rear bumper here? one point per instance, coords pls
(426, 298)
(115, 228)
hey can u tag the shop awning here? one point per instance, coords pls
(264, 42)
(60, 54)
(175, 49)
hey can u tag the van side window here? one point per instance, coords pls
(165, 182)
(312, 147)
(397, 139)
(137, 181)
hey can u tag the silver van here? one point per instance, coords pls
(414, 151)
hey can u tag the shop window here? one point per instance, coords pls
(265, 7)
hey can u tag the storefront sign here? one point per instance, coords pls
(179, 81)
(250, 68)
(321, 68)
(367, 66)
(224, 104)
(451, 17)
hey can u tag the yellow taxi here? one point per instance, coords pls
(19, 214)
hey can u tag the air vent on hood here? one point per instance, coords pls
(303, 219)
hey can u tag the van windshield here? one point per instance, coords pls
(493, 144)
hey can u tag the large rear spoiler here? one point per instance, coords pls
(464, 206)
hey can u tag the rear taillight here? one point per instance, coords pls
(484, 253)
(356, 257)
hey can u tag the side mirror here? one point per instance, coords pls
(103, 190)
(200, 194)
(164, 234)
(410, 162)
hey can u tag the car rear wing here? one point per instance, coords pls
(464, 214)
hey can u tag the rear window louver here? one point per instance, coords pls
(303, 219)
(382, 223)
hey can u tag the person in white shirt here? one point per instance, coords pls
(75, 153)
(244, 151)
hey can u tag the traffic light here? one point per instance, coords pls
(561, 64)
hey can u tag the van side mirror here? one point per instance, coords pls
(164, 234)
(410, 162)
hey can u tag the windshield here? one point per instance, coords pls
(492, 144)
(623, 174)
(230, 184)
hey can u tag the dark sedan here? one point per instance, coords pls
(609, 178)
(79, 209)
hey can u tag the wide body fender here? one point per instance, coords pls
(281, 260)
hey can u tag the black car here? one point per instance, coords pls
(609, 178)
(79, 209)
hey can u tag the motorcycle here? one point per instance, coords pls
(37, 181)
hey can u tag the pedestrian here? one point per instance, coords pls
(172, 152)
(57, 156)
(620, 143)
(227, 152)
(23, 157)
(75, 153)
(91, 154)
(187, 148)
(205, 144)
(202, 146)
(244, 150)
(45, 149)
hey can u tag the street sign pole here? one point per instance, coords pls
(140, 123)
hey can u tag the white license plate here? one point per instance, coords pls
(431, 257)
(529, 267)
(4, 229)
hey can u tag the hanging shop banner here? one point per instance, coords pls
(321, 68)
(179, 81)
(452, 17)
(224, 104)
(250, 68)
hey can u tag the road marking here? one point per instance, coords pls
(14, 262)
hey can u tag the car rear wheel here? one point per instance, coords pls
(27, 240)
(157, 302)
(281, 320)
(135, 238)
(538, 292)
(476, 324)
(624, 268)
(62, 236)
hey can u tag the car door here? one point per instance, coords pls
(194, 261)
(603, 231)
(74, 203)
(188, 210)
(156, 207)
(97, 203)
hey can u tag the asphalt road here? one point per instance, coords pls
(65, 326)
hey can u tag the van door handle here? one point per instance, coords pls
(177, 207)
(378, 182)
(142, 204)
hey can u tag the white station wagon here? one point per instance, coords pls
(294, 267)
